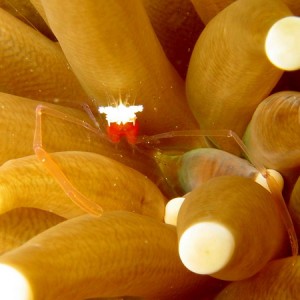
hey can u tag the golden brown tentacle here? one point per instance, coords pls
(124, 58)
(19, 225)
(34, 66)
(118, 254)
(294, 206)
(25, 182)
(229, 228)
(224, 81)
(277, 280)
(273, 135)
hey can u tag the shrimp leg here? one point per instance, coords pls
(78, 198)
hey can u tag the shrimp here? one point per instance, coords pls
(122, 122)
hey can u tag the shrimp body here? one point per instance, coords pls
(121, 121)
(130, 130)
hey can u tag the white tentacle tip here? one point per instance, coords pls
(206, 247)
(172, 210)
(13, 285)
(282, 43)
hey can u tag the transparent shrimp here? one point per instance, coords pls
(140, 143)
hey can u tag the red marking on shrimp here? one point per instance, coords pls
(130, 130)
(121, 121)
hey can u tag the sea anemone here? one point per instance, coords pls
(93, 222)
